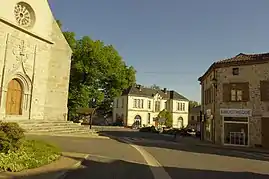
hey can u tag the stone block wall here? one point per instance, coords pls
(247, 73)
(58, 79)
(44, 73)
(35, 56)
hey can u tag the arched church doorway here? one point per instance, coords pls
(14, 98)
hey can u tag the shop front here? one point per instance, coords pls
(235, 126)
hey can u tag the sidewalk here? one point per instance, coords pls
(51, 171)
(198, 142)
(246, 149)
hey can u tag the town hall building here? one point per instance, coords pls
(34, 62)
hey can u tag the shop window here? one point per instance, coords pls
(236, 130)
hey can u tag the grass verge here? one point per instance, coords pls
(32, 154)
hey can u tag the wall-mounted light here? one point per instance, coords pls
(214, 82)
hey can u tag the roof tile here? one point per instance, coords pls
(149, 92)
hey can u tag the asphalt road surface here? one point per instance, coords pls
(146, 156)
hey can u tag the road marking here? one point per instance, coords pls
(156, 168)
(112, 158)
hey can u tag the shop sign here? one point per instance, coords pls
(236, 112)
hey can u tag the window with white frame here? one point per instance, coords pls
(138, 103)
(149, 118)
(166, 105)
(134, 103)
(122, 102)
(149, 104)
(236, 95)
(157, 106)
(181, 106)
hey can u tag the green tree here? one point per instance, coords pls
(167, 116)
(97, 74)
(193, 104)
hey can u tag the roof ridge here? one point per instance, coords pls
(240, 59)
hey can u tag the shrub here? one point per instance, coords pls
(11, 136)
(31, 154)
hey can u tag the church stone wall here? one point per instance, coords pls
(42, 67)
(58, 81)
(26, 60)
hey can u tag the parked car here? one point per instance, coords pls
(198, 134)
(148, 129)
(192, 132)
(184, 132)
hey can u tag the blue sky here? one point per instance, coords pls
(171, 43)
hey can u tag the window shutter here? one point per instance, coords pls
(264, 90)
(226, 92)
(245, 89)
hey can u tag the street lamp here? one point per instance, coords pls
(214, 82)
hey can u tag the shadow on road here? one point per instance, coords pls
(118, 169)
(187, 144)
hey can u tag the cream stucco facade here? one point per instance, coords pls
(34, 62)
(123, 107)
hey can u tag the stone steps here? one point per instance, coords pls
(29, 127)
(58, 129)
(62, 132)
(55, 128)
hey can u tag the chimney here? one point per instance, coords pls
(139, 87)
(171, 94)
(165, 90)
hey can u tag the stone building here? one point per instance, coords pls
(235, 101)
(34, 62)
(194, 118)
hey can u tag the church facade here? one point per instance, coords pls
(35, 62)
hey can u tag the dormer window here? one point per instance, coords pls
(235, 71)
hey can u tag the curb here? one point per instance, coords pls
(236, 149)
(63, 174)
(59, 135)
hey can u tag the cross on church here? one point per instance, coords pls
(22, 54)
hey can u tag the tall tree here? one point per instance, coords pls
(98, 74)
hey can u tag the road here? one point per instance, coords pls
(141, 155)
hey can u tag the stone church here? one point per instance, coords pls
(35, 62)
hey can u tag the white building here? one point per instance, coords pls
(142, 104)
